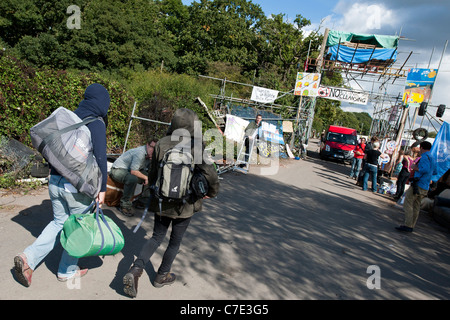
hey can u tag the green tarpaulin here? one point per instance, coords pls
(387, 42)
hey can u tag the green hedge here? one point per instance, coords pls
(29, 95)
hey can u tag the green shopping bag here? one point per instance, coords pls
(91, 234)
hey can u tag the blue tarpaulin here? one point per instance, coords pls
(441, 151)
(348, 55)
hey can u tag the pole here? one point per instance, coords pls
(439, 66)
(399, 136)
(322, 50)
(129, 128)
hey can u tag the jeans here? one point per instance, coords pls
(65, 201)
(160, 228)
(356, 167)
(403, 176)
(370, 169)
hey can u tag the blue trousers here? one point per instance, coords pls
(65, 201)
(373, 170)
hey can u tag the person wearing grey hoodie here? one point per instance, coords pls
(172, 213)
(65, 198)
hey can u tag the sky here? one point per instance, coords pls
(424, 24)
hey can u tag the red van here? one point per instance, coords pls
(338, 143)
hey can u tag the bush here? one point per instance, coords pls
(28, 95)
(160, 94)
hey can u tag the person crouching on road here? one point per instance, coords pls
(130, 169)
(177, 214)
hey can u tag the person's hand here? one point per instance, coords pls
(101, 198)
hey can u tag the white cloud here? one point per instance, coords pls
(361, 17)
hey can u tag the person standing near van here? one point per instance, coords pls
(66, 200)
(357, 159)
(371, 167)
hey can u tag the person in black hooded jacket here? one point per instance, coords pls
(65, 198)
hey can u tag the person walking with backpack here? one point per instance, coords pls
(65, 197)
(175, 213)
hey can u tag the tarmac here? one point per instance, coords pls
(296, 230)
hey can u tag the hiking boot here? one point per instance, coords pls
(81, 272)
(126, 211)
(22, 269)
(164, 279)
(130, 281)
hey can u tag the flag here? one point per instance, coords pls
(441, 151)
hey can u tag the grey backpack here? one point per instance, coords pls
(174, 177)
(65, 142)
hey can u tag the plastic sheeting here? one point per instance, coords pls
(440, 151)
(348, 55)
(387, 42)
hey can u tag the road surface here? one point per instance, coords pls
(305, 232)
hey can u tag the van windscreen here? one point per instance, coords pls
(342, 138)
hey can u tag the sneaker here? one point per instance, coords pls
(130, 281)
(81, 272)
(22, 269)
(126, 211)
(164, 279)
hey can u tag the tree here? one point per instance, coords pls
(221, 30)
(113, 34)
(284, 42)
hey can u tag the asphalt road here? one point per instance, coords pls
(294, 230)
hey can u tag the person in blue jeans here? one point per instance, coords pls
(66, 200)
(371, 167)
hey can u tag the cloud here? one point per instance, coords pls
(360, 17)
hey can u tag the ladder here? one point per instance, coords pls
(243, 157)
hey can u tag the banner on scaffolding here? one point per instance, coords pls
(271, 133)
(419, 85)
(307, 84)
(343, 94)
(264, 95)
(235, 128)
